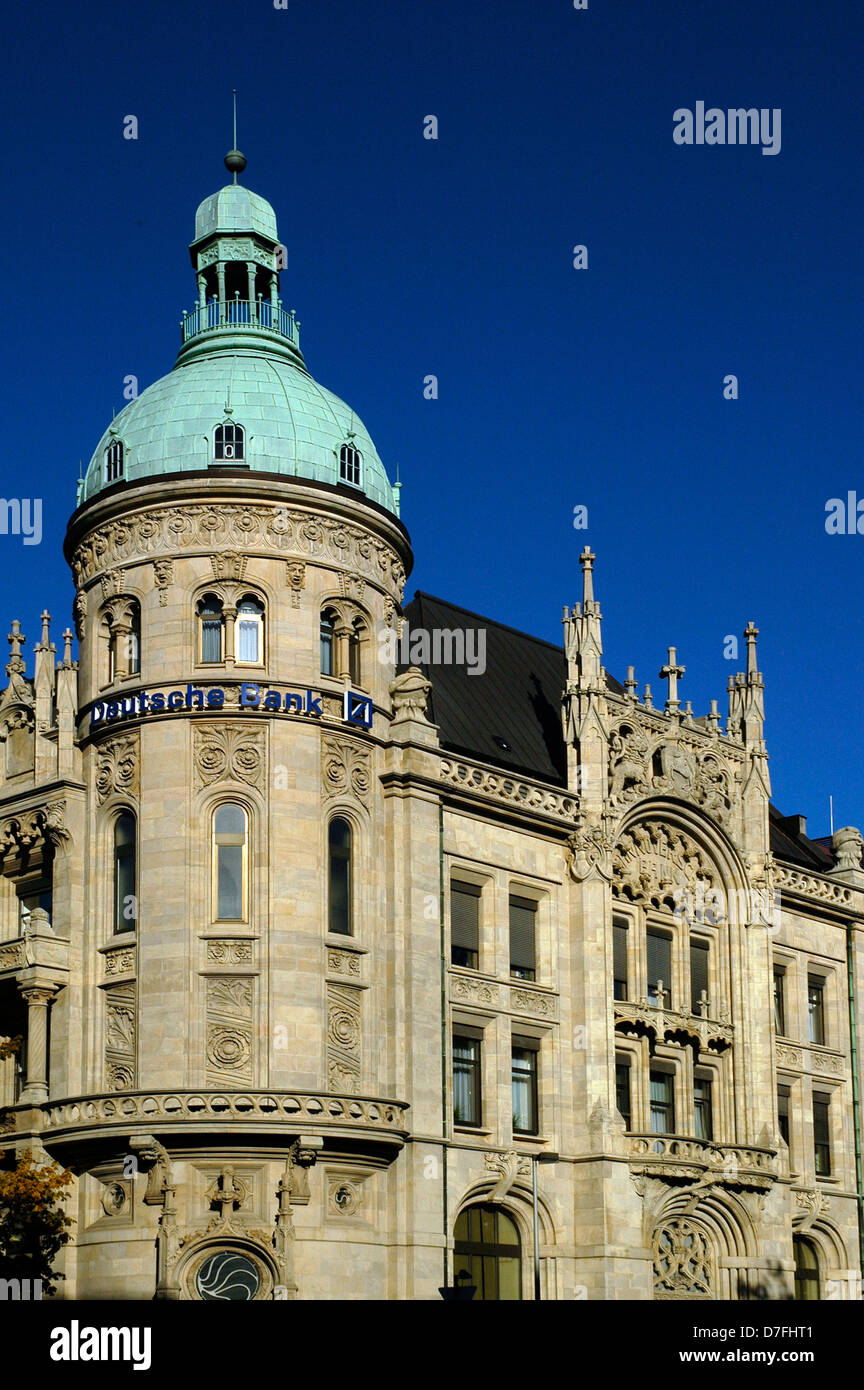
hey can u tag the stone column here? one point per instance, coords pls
(36, 1082)
(202, 292)
(220, 276)
(230, 614)
(250, 271)
(341, 652)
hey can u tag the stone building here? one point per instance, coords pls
(345, 969)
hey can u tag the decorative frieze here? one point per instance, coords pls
(230, 1005)
(117, 767)
(473, 990)
(141, 535)
(498, 787)
(787, 1056)
(12, 955)
(120, 1037)
(346, 769)
(120, 962)
(231, 951)
(642, 1017)
(343, 962)
(229, 752)
(343, 1039)
(531, 1001)
(827, 1062)
(658, 864)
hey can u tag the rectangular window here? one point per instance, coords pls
(619, 957)
(816, 1008)
(702, 1113)
(779, 1002)
(466, 1079)
(783, 1093)
(247, 641)
(523, 916)
(622, 1090)
(659, 968)
(211, 640)
(524, 1086)
(464, 924)
(822, 1133)
(662, 1102)
(699, 1001)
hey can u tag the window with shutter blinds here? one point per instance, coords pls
(523, 916)
(464, 924)
(659, 962)
(698, 974)
(619, 957)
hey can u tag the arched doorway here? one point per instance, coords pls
(806, 1270)
(487, 1247)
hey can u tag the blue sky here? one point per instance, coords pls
(557, 387)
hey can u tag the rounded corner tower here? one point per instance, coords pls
(237, 553)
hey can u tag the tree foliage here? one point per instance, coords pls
(33, 1222)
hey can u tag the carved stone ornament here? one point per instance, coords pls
(163, 574)
(235, 951)
(117, 764)
(588, 850)
(509, 1166)
(807, 1207)
(343, 1039)
(120, 1037)
(344, 1196)
(117, 1198)
(79, 614)
(848, 846)
(658, 865)
(346, 769)
(230, 1007)
(229, 565)
(256, 526)
(628, 764)
(229, 752)
(295, 574)
(682, 1261)
(409, 693)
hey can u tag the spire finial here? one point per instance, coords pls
(751, 632)
(672, 673)
(586, 560)
(235, 162)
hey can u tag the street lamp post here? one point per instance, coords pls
(535, 1159)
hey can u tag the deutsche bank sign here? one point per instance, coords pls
(356, 709)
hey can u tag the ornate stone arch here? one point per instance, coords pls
(506, 1183)
(702, 1238)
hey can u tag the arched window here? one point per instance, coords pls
(340, 886)
(806, 1270)
(487, 1249)
(250, 630)
(125, 894)
(328, 623)
(350, 461)
(229, 444)
(229, 862)
(134, 640)
(114, 461)
(212, 625)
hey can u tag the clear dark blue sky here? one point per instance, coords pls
(408, 257)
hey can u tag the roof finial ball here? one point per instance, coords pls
(235, 162)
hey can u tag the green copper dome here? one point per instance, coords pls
(292, 425)
(235, 209)
(240, 364)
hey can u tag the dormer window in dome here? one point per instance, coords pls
(229, 443)
(350, 465)
(114, 461)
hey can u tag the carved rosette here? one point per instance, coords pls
(230, 1013)
(231, 951)
(117, 767)
(120, 1037)
(346, 769)
(229, 752)
(343, 1039)
(343, 962)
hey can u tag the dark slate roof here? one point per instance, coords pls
(789, 841)
(518, 700)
